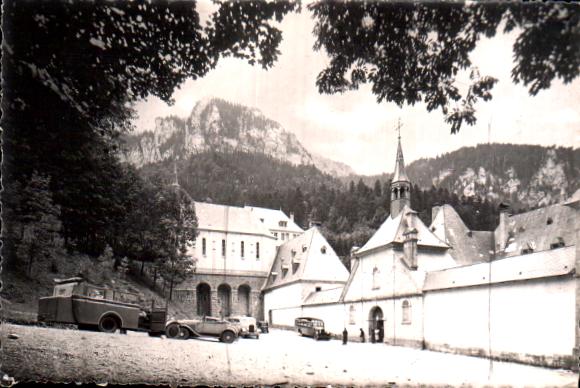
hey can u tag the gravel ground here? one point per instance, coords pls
(277, 358)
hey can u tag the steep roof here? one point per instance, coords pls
(554, 262)
(400, 174)
(538, 229)
(467, 247)
(271, 219)
(306, 257)
(391, 231)
(231, 219)
(324, 296)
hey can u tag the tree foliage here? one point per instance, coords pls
(413, 52)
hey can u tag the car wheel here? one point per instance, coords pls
(172, 331)
(300, 332)
(228, 337)
(108, 324)
(183, 333)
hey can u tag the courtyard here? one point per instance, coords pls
(277, 358)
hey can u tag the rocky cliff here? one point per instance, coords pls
(221, 126)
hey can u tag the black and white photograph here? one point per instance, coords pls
(290, 193)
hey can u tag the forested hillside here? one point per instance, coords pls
(348, 213)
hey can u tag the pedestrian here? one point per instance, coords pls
(344, 336)
(362, 335)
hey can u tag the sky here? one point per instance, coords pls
(353, 128)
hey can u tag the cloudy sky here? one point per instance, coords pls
(355, 129)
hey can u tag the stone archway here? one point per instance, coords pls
(244, 292)
(203, 299)
(225, 298)
(376, 325)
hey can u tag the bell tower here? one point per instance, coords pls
(400, 185)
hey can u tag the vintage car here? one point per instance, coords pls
(247, 325)
(97, 308)
(207, 326)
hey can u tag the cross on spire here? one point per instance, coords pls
(398, 128)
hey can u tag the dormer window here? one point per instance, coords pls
(323, 249)
(261, 219)
(283, 224)
(470, 234)
(549, 221)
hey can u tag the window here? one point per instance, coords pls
(276, 235)
(283, 224)
(223, 248)
(318, 289)
(527, 251)
(203, 246)
(351, 315)
(258, 250)
(558, 243)
(323, 250)
(304, 248)
(376, 284)
(406, 312)
(283, 235)
(242, 249)
(549, 221)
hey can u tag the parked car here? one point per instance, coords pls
(263, 326)
(97, 308)
(311, 327)
(247, 325)
(207, 326)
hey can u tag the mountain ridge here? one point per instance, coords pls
(219, 125)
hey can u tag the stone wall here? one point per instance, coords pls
(188, 292)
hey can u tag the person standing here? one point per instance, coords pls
(344, 336)
(362, 335)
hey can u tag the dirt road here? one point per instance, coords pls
(280, 357)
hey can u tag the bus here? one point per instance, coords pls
(311, 327)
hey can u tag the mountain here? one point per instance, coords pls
(221, 126)
(527, 176)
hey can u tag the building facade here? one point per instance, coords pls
(511, 294)
(234, 252)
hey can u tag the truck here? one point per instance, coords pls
(75, 301)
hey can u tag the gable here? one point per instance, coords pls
(302, 258)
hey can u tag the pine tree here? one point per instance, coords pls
(39, 224)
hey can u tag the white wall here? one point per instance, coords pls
(394, 278)
(528, 317)
(213, 259)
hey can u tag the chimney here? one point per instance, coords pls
(501, 234)
(410, 248)
(292, 217)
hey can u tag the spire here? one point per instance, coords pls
(400, 174)
(400, 185)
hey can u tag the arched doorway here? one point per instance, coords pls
(225, 297)
(203, 299)
(244, 300)
(376, 325)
